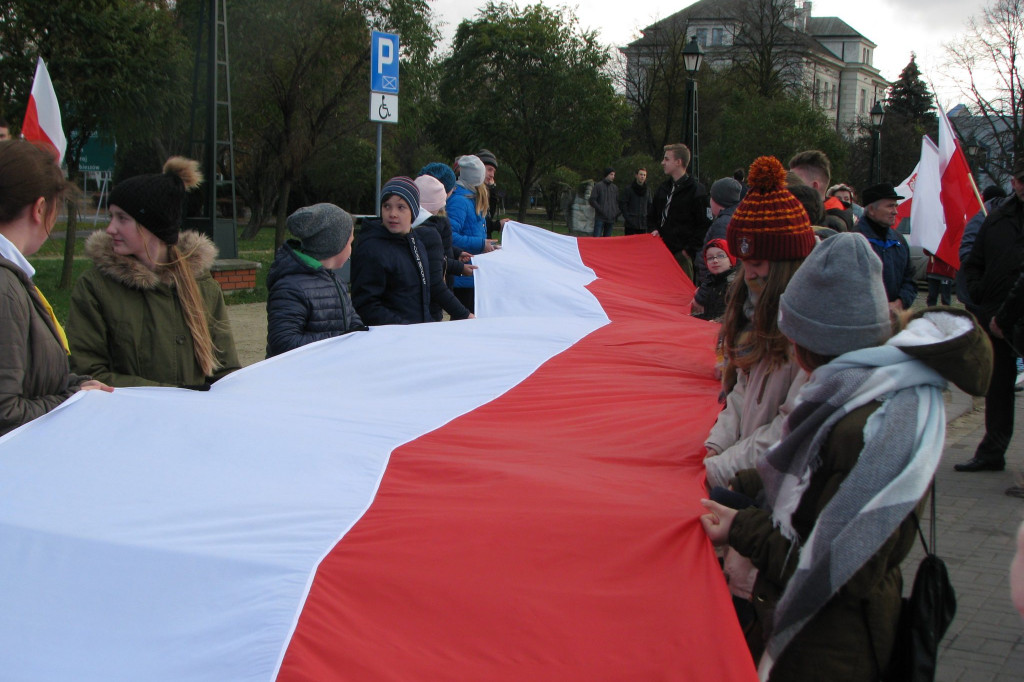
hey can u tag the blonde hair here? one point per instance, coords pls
(192, 306)
(483, 199)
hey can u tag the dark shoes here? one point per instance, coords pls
(1015, 491)
(977, 464)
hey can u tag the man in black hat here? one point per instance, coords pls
(877, 223)
(990, 272)
(494, 195)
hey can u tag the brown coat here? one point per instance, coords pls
(34, 373)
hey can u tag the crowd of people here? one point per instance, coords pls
(830, 429)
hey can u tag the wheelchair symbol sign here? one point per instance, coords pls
(383, 108)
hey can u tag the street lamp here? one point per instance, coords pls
(877, 116)
(692, 58)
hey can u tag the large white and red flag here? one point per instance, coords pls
(513, 497)
(940, 212)
(42, 117)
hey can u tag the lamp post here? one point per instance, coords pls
(692, 58)
(877, 116)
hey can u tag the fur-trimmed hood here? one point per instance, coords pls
(197, 249)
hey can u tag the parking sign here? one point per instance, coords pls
(384, 62)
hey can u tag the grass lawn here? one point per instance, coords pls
(49, 260)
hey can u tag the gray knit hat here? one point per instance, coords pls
(836, 302)
(471, 171)
(323, 229)
(726, 192)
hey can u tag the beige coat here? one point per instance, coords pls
(752, 419)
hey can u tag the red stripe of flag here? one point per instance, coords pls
(553, 533)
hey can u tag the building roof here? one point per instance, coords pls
(831, 27)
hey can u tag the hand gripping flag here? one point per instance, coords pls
(42, 117)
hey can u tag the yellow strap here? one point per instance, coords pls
(60, 330)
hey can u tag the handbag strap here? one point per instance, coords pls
(931, 527)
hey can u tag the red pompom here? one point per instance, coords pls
(766, 174)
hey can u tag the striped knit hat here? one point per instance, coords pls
(769, 224)
(406, 189)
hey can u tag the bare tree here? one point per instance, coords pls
(989, 53)
(771, 50)
(654, 81)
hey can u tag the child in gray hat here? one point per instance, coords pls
(307, 301)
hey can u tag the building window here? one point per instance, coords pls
(702, 37)
(718, 36)
(863, 101)
(834, 96)
(864, 55)
(824, 99)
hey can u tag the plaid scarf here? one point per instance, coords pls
(903, 442)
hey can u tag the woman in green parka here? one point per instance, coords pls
(149, 313)
(856, 456)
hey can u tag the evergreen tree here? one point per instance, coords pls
(909, 95)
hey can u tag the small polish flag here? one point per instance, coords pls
(42, 118)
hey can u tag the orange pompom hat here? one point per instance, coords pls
(769, 224)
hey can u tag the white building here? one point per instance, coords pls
(824, 57)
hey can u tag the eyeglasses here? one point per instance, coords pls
(711, 258)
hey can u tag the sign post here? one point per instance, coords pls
(383, 87)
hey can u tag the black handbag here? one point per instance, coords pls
(924, 617)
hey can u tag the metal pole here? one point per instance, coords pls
(876, 155)
(380, 130)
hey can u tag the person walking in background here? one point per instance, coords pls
(991, 270)
(390, 270)
(149, 313)
(635, 204)
(306, 301)
(604, 198)
(467, 208)
(679, 213)
(34, 373)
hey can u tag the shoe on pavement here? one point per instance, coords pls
(978, 464)
(1015, 491)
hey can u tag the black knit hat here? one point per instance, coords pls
(155, 201)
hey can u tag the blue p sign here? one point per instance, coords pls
(384, 62)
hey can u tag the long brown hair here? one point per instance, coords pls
(746, 342)
(29, 171)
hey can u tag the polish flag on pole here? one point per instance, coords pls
(960, 200)
(940, 195)
(42, 118)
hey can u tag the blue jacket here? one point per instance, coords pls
(892, 249)
(305, 303)
(390, 276)
(469, 228)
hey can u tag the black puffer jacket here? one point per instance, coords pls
(390, 284)
(994, 264)
(306, 302)
(441, 297)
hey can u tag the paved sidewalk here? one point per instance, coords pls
(977, 527)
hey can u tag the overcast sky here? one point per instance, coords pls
(898, 27)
